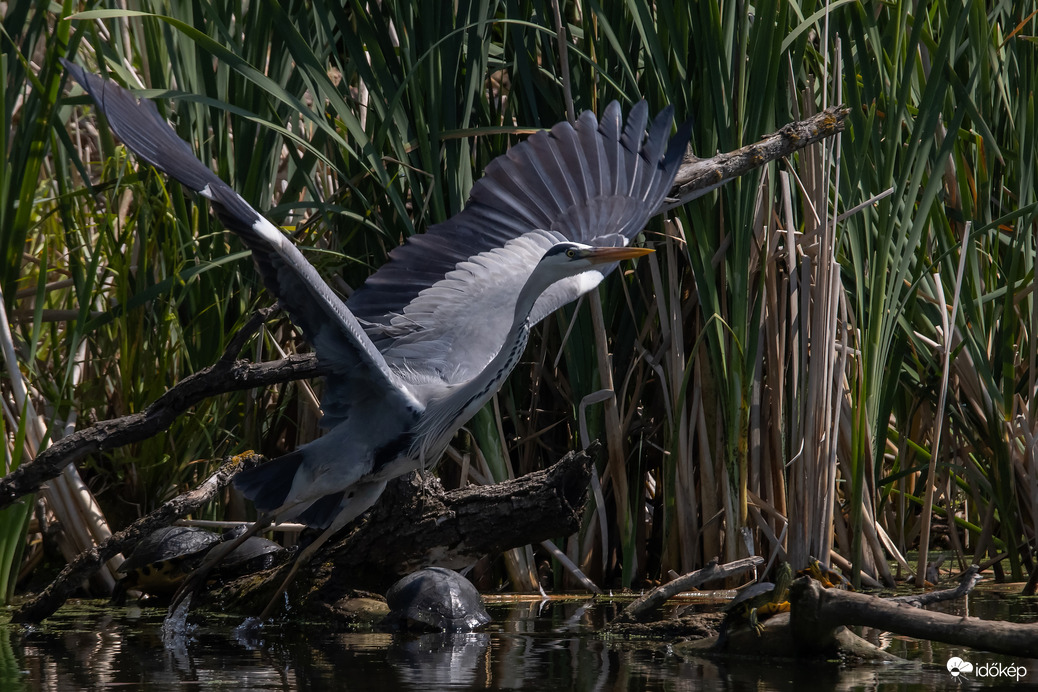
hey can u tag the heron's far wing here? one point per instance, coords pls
(336, 335)
(591, 182)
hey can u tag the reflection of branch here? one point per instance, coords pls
(698, 177)
(226, 375)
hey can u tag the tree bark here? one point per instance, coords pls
(698, 177)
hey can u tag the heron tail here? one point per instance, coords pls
(322, 512)
(268, 485)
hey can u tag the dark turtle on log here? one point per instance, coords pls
(254, 555)
(162, 560)
(435, 599)
(753, 603)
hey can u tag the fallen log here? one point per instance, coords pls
(416, 524)
(817, 614)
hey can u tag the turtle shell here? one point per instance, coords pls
(436, 599)
(169, 543)
(760, 591)
(162, 559)
(253, 555)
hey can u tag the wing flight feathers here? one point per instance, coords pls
(335, 333)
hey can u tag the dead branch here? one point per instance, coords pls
(86, 563)
(226, 375)
(699, 177)
(645, 608)
(967, 580)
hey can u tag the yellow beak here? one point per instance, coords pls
(602, 255)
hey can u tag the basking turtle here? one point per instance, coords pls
(435, 599)
(826, 576)
(761, 599)
(162, 560)
(254, 555)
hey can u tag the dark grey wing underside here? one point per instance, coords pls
(592, 182)
(335, 334)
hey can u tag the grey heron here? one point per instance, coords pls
(432, 335)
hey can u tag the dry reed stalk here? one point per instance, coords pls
(708, 479)
(946, 349)
(83, 522)
(616, 471)
(681, 407)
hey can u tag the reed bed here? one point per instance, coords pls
(833, 355)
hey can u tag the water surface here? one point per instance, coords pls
(530, 645)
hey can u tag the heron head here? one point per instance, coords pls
(574, 262)
(573, 258)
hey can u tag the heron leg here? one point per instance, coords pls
(355, 503)
(304, 557)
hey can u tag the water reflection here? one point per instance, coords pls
(552, 645)
(442, 660)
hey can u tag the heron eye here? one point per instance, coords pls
(571, 253)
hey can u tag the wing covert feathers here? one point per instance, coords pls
(589, 181)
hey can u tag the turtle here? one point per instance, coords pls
(437, 600)
(162, 560)
(826, 576)
(254, 555)
(762, 598)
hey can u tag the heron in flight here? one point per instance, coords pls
(431, 336)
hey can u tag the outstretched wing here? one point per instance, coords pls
(442, 304)
(336, 335)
